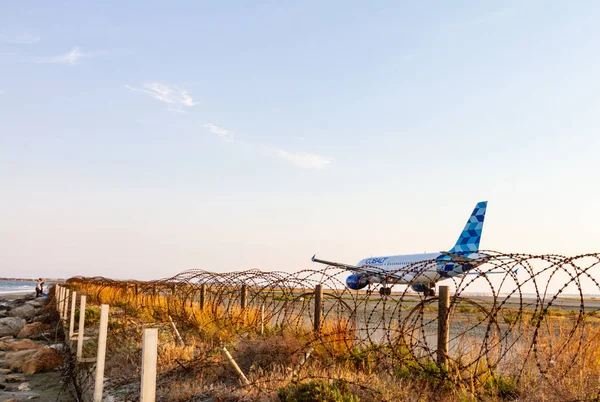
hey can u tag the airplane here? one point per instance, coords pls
(420, 271)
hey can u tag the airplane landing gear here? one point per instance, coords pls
(430, 292)
(385, 291)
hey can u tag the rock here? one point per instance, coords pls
(13, 359)
(35, 328)
(11, 325)
(14, 378)
(39, 302)
(44, 336)
(2, 386)
(4, 371)
(24, 386)
(7, 338)
(34, 361)
(25, 344)
(43, 318)
(2, 354)
(25, 311)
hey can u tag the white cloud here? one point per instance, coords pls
(224, 134)
(20, 38)
(72, 57)
(302, 160)
(177, 98)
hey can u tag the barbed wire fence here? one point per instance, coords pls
(519, 318)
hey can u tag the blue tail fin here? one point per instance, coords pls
(471, 235)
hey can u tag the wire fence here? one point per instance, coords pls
(518, 324)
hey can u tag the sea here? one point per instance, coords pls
(8, 287)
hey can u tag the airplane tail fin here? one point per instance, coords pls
(470, 237)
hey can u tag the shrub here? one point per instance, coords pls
(320, 391)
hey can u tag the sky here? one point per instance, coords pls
(142, 139)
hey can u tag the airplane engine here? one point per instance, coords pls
(356, 282)
(419, 287)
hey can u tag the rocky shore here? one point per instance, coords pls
(30, 351)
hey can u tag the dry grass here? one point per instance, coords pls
(553, 360)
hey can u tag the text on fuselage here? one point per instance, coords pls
(372, 261)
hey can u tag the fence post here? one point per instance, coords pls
(149, 358)
(443, 325)
(202, 295)
(72, 320)
(66, 303)
(318, 307)
(262, 319)
(60, 301)
(101, 353)
(81, 329)
(244, 296)
(63, 301)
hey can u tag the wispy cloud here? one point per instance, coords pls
(72, 57)
(302, 160)
(176, 97)
(19, 38)
(224, 134)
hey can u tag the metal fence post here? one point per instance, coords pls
(318, 307)
(98, 388)
(149, 359)
(72, 320)
(443, 325)
(244, 296)
(81, 329)
(202, 295)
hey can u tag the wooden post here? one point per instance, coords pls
(136, 288)
(443, 325)
(262, 319)
(179, 338)
(244, 296)
(66, 304)
(202, 295)
(60, 301)
(72, 320)
(235, 366)
(101, 353)
(149, 359)
(81, 329)
(318, 307)
(63, 303)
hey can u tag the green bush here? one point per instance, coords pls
(92, 315)
(318, 391)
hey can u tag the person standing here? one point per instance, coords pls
(39, 287)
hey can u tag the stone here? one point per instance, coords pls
(24, 344)
(25, 311)
(39, 302)
(24, 386)
(12, 360)
(14, 378)
(7, 338)
(43, 318)
(34, 361)
(4, 371)
(33, 329)
(11, 326)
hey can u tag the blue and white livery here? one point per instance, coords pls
(421, 271)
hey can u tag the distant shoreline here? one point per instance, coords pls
(32, 279)
(15, 295)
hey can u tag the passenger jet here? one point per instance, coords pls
(421, 271)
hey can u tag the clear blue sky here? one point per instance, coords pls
(140, 139)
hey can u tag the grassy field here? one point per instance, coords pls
(368, 349)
